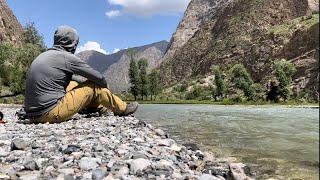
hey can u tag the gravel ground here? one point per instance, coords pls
(102, 148)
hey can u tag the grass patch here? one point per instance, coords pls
(303, 22)
(12, 100)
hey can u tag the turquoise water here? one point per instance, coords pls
(274, 141)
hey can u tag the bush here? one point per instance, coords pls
(220, 89)
(283, 71)
(241, 79)
(200, 93)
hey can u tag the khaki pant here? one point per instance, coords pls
(80, 96)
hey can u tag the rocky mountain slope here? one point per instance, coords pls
(252, 32)
(115, 66)
(10, 29)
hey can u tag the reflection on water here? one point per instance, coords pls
(274, 141)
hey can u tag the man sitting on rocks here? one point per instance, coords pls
(54, 95)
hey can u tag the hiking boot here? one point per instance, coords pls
(130, 109)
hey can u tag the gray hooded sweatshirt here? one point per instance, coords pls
(51, 72)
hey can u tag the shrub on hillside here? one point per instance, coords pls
(283, 71)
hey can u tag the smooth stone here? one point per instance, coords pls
(176, 176)
(4, 153)
(4, 177)
(66, 171)
(49, 169)
(98, 148)
(160, 132)
(138, 140)
(164, 142)
(34, 175)
(68, 177)
(109, 177)
(138, 155)
(41, 162)
(31, 165)
(175, 148)
(139, 164)
(77, 155)
(87, 175)
(98, 174)
(18, 144)
(71, 148)
(87, 163)
(237, 171)
(123, 171)
(208, 177)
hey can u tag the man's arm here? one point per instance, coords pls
(78, 78)
(79, 67)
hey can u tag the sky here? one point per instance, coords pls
(103, 25)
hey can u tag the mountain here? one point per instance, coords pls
(10, 28)
(252, 32)
(100, 61)
(115, 66)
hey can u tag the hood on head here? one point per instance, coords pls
(66, 38)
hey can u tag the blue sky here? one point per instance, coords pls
(104, 25)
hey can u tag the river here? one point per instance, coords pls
(274, 141)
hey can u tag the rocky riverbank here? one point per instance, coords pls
(102, 148)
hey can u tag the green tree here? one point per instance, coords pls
(15, 59)
(220, 89)
(7, 56)
(283, 71)
(133, 74)
(144, 80)
(32, 36)
(155, 85)
(196, 93)
(242, 80)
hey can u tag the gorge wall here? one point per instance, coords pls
(252, 32)
(10, 28)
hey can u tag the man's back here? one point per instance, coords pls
(46, 82)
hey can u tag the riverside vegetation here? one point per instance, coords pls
(15, 58)
(230, 85)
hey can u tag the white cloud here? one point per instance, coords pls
(151, 7)
(91, 45)
(113, 13)
(116, 50)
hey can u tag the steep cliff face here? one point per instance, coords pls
(115, 66)
(10, 29)
(198, 13)
(252, 32)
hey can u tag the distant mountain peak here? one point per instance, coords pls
(115, 66)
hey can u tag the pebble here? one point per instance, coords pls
(98, 174)
(87, 163)
(139, 165)
(18, 144)
(71, 148)
(100, 148)
(208, 177)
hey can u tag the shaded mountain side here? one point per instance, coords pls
(10, 28)
(115, 66)
(252, 32)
